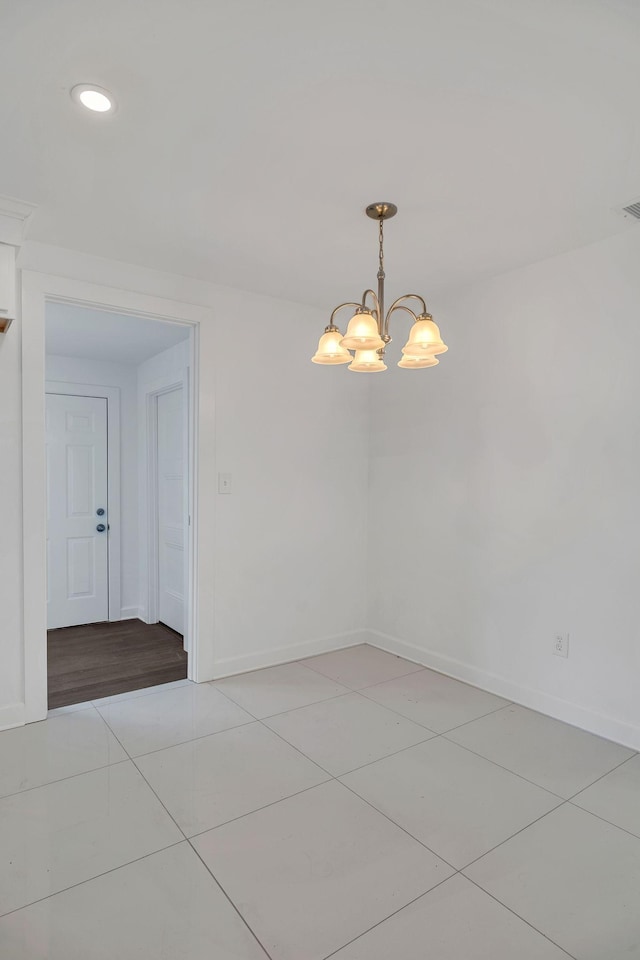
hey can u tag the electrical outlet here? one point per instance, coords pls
(561, 644)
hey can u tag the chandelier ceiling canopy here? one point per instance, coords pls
(367, 333)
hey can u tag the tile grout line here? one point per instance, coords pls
(230, 901)
(298, 750)
(616, 826)
(188, 840)
(138, 756)
(217, 733)
(442, 736)
(419, 722)
(513, 835)
(367, 685)
(281, 713)
(303, 706)
(601, 777)
(139, 693)
(170, 815)
(426, 894)
(71, 776)
(336, 779)
(97, 876)
(66, 711)
(384, 919)
(404, 829)
(443, 733)
(533, 782)
(434, 736)
(204, 736)
(387, 756)
(502, 767)
(523, 919)
(265, 806)
(548, 813)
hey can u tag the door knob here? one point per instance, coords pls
(101, 528)
(100, 511)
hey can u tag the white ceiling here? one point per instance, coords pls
(250, 135)
(77, 331)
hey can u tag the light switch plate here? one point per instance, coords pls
(224, 483)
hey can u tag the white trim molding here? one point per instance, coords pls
(232, 666)
(572, 713)
(13, 715)
(14, 215)
(130, 613)
(37, 289)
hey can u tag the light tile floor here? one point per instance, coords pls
(354, 806)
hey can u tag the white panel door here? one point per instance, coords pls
(171, 509)
(77, 551)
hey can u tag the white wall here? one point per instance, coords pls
(505, 487)
(124, 377)
(290, 551)
(289, 540)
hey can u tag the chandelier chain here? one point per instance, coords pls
(381, 248)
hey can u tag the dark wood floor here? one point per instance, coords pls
(102, 659)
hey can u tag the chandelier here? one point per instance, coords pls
(368, 329)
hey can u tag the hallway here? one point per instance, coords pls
(104, 659)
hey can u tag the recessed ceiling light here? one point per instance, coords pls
(93, 98)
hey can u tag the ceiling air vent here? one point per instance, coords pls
(632, 210)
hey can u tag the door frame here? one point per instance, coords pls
(112, 396)
(150, 420)
(37, 289)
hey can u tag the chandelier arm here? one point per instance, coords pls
(375, 300)
(349, 303)
(392, 309)
(409, 296)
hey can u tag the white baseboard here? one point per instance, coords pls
(577, 716)
(130, 613)
(272, 658)
(13, 715)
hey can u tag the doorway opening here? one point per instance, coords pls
(119, 434)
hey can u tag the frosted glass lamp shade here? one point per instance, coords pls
(362, 333)
(418, 363)
(367, 361)
(329, 349)
(424, 338)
